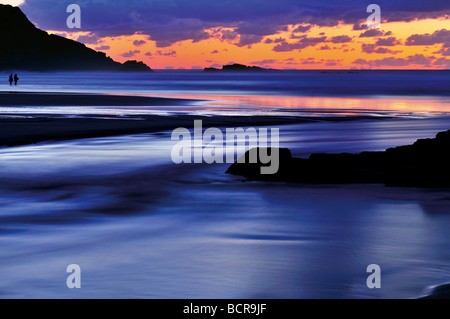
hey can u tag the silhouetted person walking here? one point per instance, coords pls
(16, 78)
(10, 79)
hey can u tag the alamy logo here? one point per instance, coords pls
(74, 20)
(374, 20)
(74, 279)
(373, 280)
(210, 146)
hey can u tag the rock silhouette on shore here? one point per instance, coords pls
(426, 163)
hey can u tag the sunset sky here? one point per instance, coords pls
(284, 34)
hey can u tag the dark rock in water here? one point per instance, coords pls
(426, 163)
(240, 67)
(249, 169)
(439, 292)
(211, 70)
(26, 48)
(236, 68)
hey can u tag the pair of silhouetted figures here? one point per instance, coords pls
(13, 79)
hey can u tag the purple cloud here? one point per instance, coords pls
(387, 42)
(301, 44)
(130, 53)
(372, 48)
(103, 48)
(249, 39)
(420, 59)
(391, 62)
(279, 40)
(169, 53)
(440, 36)
(332, 63)
(361, 61)
(286, 47)
(89, 39)
(442, 62)
(359, 26)
(445, 51)
(417, 59)
(341, 39)
(229, 35)
(167, 22)
(139, 42)
(371, 33)
(310, 61)
(262, 62)
(302, 28)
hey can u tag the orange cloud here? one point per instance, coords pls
(296, 47)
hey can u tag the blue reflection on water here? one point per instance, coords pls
(141, 226)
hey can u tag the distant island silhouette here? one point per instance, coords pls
(236, 68)
(422, 164)
(27, 48)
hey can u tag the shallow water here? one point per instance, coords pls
(140, 226)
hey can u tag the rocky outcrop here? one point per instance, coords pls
(236, 68)
(426, 163)
(135, 66)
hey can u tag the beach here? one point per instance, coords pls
(13, 98)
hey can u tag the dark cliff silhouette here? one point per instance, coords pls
(27, 48)
(236, 68)
(426, 163)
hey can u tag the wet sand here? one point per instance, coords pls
(22, 131)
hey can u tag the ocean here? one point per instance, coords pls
(140, 226)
